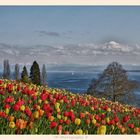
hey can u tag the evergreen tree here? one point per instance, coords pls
(35, 73)
(16, 73)
(6, 69)
(24, 75)
(44, 75)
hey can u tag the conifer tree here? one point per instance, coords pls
(35, 73)
(24, 75)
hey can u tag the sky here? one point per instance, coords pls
(86, 35)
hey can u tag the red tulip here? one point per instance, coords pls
(9, 99)
(87, 121)
(1, 82)
(67, 122)
(2, 92)
(66, 113)
(53, 125)
(48, 114)
(66, 132)
(28, 111)
(7, 106)
(102, 116)
(43, 96)
(131, 125)
(125, 119)
(60, 121)
(16, 107)
(116, 119)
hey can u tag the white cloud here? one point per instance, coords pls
(72, 53)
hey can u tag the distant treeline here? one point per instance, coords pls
(35, 76)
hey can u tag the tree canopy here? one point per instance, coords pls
(113, 84)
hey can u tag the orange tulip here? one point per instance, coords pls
(51, 118)
(21, 124)
(11, 118)
(41, 112)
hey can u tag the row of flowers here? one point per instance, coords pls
(31, 109)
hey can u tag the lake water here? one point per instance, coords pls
(78, 82)
(75, 82)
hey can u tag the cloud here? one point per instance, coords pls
(48, 33)
(114, 46)
(71, 53)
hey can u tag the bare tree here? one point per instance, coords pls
(6, 69)
(16, 73)
(113, 84)
(44, 75)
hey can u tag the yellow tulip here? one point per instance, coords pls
(79, 131)
(93, 117)
(86, 131)
(65, 118)
(58, 110)
(57, 105)
(46, 102)
(15, 92)
(13, 88)
(107, 119)
(93, 121)
(36, 114)
(92, 108)
(11, 124)
(123, 130)
(7, 111)
(38, 107)
(39, 101)
(101, 130)
(22, 108)
(61, 101)
(5, 85)
(77, 121)
(108, 109)
(126, 110)
(58, 116)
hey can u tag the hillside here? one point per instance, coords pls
(31, 109)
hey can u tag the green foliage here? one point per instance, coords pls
(24, 75)
(35, 73)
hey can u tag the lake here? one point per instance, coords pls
(79, 81)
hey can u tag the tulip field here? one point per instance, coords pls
(32, 109)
